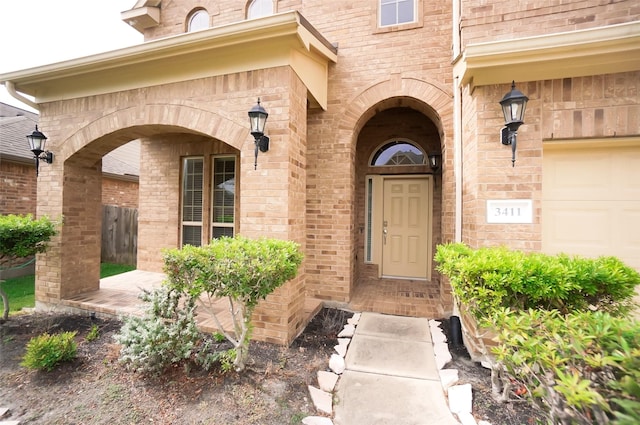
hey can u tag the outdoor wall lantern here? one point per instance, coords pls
(513, 105)
(37, 142)
(435, 160)
(257, 120)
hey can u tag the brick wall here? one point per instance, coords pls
(119, 192)
(502, 19)
(602, 106)
(18, 193)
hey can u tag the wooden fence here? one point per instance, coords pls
(119, 235)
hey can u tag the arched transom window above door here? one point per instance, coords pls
(398, 152)
(259, 8)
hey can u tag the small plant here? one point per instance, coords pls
(45, 352)
(219, 337)
(93, 334)
(165, 335)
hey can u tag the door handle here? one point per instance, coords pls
(384, 233)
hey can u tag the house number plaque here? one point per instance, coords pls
(511, 211)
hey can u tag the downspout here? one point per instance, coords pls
(11, 89)
(457, 123)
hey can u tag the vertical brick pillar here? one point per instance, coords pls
(273, 203)
(81, 232)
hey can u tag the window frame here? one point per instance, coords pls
(388, 144)
(250, 3)
(191, 223)
(223, 224)
(418, 19)
(196, 14)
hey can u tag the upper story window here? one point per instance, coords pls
(259, 8)
(398, 152)
(199, 20)
(397, 12)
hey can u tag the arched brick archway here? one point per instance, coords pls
(72, 264)
(435, 102)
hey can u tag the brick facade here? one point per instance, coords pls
(18, 191)
(120, 192)
(393, 82)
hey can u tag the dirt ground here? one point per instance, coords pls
(95, 389)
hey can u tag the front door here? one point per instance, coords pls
(405, 227)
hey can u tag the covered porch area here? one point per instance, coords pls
(118, 296)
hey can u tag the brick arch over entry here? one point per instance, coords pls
(148, 120)
(432, 99)
(71, 266)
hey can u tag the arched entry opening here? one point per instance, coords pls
(187, 196)
(70, 270)
(398, 211)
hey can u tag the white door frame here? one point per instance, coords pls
(374, 197)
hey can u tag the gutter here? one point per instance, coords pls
(11, 89)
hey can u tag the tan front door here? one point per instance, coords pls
(405, 241)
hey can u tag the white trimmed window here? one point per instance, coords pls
(192, 191)
(259, 8)
(398, 152)
(223, 197)
(397, 12)
(199, 20)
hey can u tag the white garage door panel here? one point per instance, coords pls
(592, 174)
(587, 228)
(568, 227)
(591, 201)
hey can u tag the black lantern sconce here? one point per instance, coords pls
(435, 161)
(257, 120)
(513, 104)
(37, 142)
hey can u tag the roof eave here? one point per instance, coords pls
(594, 51)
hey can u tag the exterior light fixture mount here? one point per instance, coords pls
(257, 121)
(435, 161)
(37, 141)
(513, 105)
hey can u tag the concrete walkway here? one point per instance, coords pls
(391, 375)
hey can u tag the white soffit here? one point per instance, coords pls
(595, 51)
(285, 39)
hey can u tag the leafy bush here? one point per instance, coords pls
(166, 334)
(22, 236)
(582, 368)
(561, 329)
(44, 352)
(489, 278)
(242, 270)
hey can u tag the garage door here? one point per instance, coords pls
(591, 199)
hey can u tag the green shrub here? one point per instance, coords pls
(44, 352)
(581, 368)
(166, 334)
(242, 270)
(22, 236)
(489, 278)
